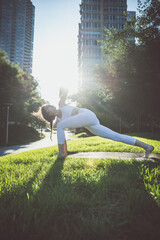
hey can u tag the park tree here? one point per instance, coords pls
(131, 73)
(18, 88)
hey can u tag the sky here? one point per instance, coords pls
(55, 50)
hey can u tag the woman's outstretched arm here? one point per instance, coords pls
(63, 93)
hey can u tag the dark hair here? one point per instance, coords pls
(49, 118)
(45, 113)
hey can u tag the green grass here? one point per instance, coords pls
(42, 197)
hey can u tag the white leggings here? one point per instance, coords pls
(87, 119)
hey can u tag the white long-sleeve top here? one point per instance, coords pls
(66, 111)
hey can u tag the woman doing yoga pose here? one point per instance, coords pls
(73, 117)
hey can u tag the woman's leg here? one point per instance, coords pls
(62, 149)
(79, 120)
(102, 131)
(105, 132)
(84, 118)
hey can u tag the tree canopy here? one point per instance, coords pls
(134, 64)
(18, 88)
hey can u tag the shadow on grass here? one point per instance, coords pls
(156, 159)
(80, 206)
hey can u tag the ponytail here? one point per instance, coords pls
(51, 127)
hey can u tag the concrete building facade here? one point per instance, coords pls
(17, 31)
(96, 15)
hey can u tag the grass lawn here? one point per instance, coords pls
(42, 197)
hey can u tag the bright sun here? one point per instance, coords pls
(57, 68)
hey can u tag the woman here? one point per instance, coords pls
(73, 117)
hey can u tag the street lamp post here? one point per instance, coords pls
(7, 119)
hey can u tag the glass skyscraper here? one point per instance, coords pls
(17, 31)
(95, 16)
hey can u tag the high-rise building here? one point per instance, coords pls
(17, 31)
(96, 15)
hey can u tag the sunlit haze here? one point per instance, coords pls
(55, 55)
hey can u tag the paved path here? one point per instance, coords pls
(117, 155)
(46, 142)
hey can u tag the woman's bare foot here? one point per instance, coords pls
(148, 150)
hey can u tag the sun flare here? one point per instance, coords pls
(58, 68)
